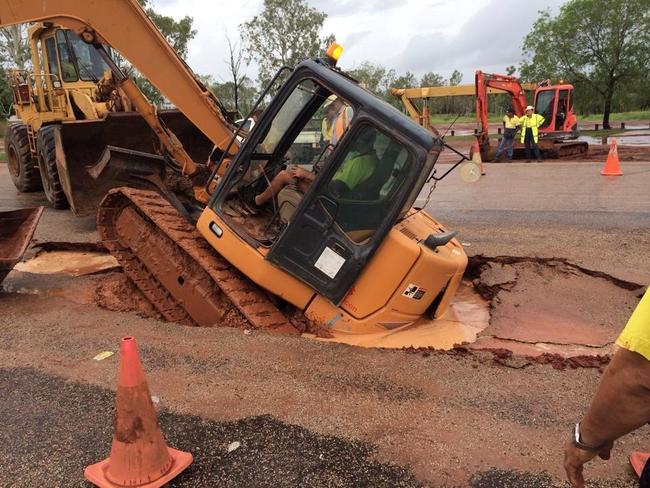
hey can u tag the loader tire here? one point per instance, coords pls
(52, 188)
(23, 168)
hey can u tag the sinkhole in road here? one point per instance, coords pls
(525, 305)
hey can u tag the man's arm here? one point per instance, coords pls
(621, 405)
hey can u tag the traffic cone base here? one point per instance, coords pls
(476, 157)
(638, 461)
(96, 473)
(139, 455)
(612, 165)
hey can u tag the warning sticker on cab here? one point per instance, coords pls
(414, 291)
(330, 262)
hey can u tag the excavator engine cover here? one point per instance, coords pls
(87, 175)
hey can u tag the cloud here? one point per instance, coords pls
(408, 35)
(490, 39)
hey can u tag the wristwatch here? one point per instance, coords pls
(580, 445)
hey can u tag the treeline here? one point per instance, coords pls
(601, 47)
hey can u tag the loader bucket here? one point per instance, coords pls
(16, 230)
(81, 144)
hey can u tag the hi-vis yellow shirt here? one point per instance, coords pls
(511, 122)
(636, 335)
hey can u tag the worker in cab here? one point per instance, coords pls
(301, 178)
(357, 168)
(510, 124)
(530, 124)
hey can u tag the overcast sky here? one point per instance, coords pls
(408, 35)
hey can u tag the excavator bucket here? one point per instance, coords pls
(16, 230)
(86, 168)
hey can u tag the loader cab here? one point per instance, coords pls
(362, 184)
(64, 80)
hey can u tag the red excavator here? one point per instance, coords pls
(558, 134)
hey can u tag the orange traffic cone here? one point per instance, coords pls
(476, 156)
(139, 456)
(612, 165)
(638, 461)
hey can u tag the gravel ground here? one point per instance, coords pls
(383, 418)
(424, 418)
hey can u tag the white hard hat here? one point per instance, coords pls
(530, 107)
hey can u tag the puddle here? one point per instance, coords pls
(70, 263)
(640, 138)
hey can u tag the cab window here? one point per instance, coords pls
(545, 106)
(360, 192)
(67, 65)
(52, 64)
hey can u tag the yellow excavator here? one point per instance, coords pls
(349, 260)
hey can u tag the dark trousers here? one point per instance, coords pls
(529, 143)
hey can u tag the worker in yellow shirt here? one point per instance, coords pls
(621, 403)
(510, 124)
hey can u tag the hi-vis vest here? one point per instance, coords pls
(533, 122)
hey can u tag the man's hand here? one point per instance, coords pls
(300, 173)
(575, 459)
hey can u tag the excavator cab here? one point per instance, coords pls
(362, 185)
(555, 104)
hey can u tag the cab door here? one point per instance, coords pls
(350, 207)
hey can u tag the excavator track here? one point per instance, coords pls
(176, 269)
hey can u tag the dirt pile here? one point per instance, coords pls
(117, 293)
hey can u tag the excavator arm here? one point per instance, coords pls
(123, 25)
(504, 83)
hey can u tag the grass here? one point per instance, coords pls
(443, 120)
(616, 117)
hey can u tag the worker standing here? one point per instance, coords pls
(341, 123)
(332, 106)
(621, 403)
(510, 124)
(530, 124)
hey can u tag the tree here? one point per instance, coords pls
(177, 33)
(246, 94)
(375, 78)
(455, 78)
(431, 79)
(234, 62)
(14, 46)
(14, 54)
(597, 43)
(511, 70)
(283, 34)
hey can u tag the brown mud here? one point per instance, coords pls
(537, 310)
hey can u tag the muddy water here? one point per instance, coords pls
(70, 263)
(630, 138)
(467, 316)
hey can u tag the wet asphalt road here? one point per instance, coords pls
(59, 427)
